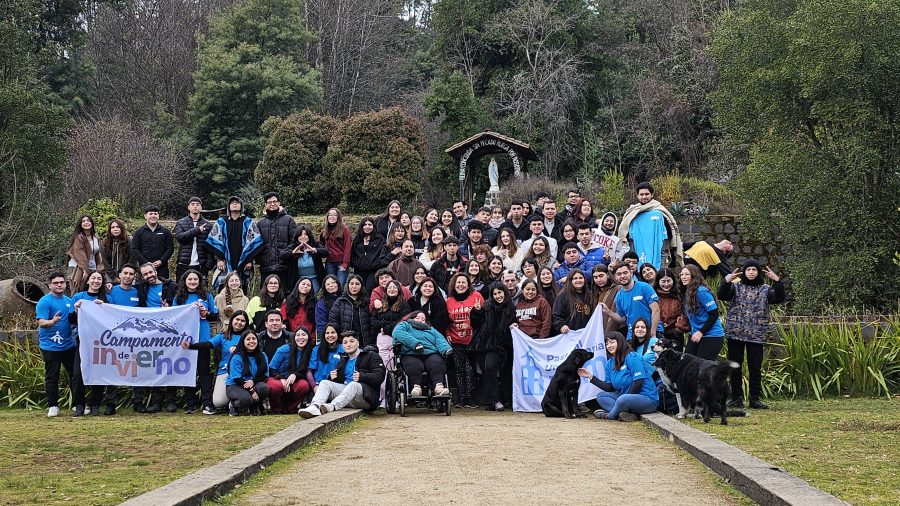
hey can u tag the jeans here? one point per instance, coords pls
(335, 268)
(708, 347)
(614, 403)
(340, 395)
(754, 368)
(69, 359)
(241, 397)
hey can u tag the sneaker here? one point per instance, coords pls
(499, 406)
(326, 408)
(601, 414)
(628, 417)
(190, 410)
(53, 411)
(154, 407)
(232, 410)
(110, 410)
(78, 411)
(209, 410)
(310, 412)
(266, 405)
(92, 410)
(736, 403)
(171, 407)
(416, 391)
(441, 391)
(758, 404)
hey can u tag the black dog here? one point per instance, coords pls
(561, 397)
(698, 383)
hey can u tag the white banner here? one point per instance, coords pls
(130, 346)
(535, 361)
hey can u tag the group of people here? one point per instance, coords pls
(448, 287)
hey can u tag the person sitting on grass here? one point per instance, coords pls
(289, 375)
(422, 348)
(356, 382)
(246, 386)
(629, 390)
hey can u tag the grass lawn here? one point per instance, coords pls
(848, 447)
(105, 460)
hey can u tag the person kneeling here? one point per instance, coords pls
(355, 382)
(630, 390)
(422, 348)
(246, 384)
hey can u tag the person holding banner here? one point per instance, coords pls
(224, 344)
(534, 316)
(574, 305)
(95, 290)
(289, 376)
(248, 369)
(57, 344)
(492, 344)
(125, 294)
(629, 390)
(192, 290)
(155, 292)
(460, 303)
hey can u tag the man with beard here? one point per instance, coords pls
(652, 230)
(277, 228)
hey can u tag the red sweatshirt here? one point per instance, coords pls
(339, 249)
(460, 330)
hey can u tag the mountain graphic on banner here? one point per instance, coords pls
(145, 325)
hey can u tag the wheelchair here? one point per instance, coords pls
(398, 387)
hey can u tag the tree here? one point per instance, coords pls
(292, 161)
(813, 88)
(250, 67)
(375, 158)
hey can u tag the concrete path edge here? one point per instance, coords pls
(759, 480)
(221, 478)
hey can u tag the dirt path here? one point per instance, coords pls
(474, 457)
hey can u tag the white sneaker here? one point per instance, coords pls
(310, 412)
(54, 411)
(326, 408)
(441, 391)
(416, 391)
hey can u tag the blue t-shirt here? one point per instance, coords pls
(86, 297)
(349, 369)
(648, 356)
(236, 373)
(154, 295)
(219, 342)
(209, 304)
(321, 370)
(121, 297)
(633, 369)
(648, 231)
(697, 318)
(58, 337)
(635, 303)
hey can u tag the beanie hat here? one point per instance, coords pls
(759, 277)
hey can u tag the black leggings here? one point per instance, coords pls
(206, 381)
(489, 362)
(708, 347)
(415, 365)
(241, 397)
(754, 367)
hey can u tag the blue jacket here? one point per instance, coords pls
(409, 337)
(236, 373)
(564, 269)
(321, 370)
(218, 241)
(591, 257)
(280, 365)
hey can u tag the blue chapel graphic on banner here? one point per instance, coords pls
(531, 375)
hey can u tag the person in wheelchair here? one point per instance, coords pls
(422, 348)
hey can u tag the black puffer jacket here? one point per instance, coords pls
(278, 237)
(152, 245)
(348, 314)
(371, 374)
(369, 257)
(386, 318)
(185, 233)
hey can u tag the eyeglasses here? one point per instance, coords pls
(271, 202)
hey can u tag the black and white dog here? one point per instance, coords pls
(698, 384)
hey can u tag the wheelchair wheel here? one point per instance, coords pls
(447, 405)
(403, 402)
(391, 393)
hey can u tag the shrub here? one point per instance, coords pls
(103, 210)
(376, 157)
(22, 376)
(612, 197)
(292, 161)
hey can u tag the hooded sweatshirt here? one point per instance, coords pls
(535, 317)
(608, 239)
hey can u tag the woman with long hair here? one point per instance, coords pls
(495, 268)
(192, 290)
(432, 219)
(223, 343)
(460, 303)
(429, 300)
(299, 307)
(325, 356)
(534, 315)
(605, 290)
(390, 308)
(435, 247)
(628, 390)
(115, 250)
(94, 289)
(422, 348)
(289, 374)
(270, 298)
(394, 244)
(386, 220)
(549, 289)
(702, 311)
(248, 370)
(331, 290)
(671, 307)
(568, 234)
(231, 298)
(492, 344)
(307, 257)
(406, 221)
(367, 252)
(450, 223)
(418, 234)
(647, 273)
(584, 213)
(476, 277)
(350, 311)
(574, 305)
(84, 253)
(540, 251)
(641, 342)
(507, 248)
(337, 240)
(481, 254)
